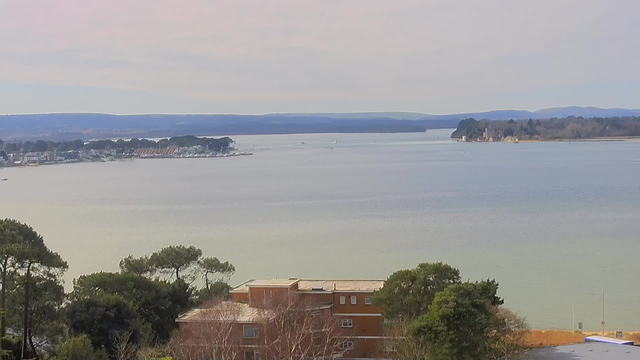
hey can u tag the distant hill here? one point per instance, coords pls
(558, 112)
(94, 126)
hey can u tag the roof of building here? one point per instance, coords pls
(228, 311)
(586, 351)
(273, 282)
(314, 285)
(340, 285)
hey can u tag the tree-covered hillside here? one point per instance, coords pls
(565, 128)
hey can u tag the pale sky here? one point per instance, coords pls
(261, 56)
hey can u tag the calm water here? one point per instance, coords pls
(555, 223)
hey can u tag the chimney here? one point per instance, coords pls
(334, 287)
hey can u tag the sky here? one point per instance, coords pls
(263, 56)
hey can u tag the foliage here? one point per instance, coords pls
(139, 266)
(222, 271)
(565, 128)
(217, 290)
(213, 144)
(10, 347)
(35, 274)
(174, 259)
(76, 348)
(46, 318)
(463, 324)
(408, 293)
(155, 302)
(510, 332)
(457, 324)
(101, 318)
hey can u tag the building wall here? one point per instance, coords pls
(317, 298)
(363, 326)
(240, 297)
(264, 296)
(360, 306)
(365, 348)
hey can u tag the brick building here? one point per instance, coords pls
(347, 303)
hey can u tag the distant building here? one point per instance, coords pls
(488, 133)
(33, 157)
(49, 156)
(72, 155)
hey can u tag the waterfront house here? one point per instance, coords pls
(251, 317)
(33, 157)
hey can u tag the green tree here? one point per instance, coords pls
(101, 318)
(27, 146)
(174, 259)
(76, 348)
(40, 145)
(11, 148)
(457, 325)
(216, 290)
(140, 266)
(408, 293)
(10, 347)
(33, 260)
(156, 302)
(9, 241)
(212, 266)
(46, 316)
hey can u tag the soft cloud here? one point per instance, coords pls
(257, 56)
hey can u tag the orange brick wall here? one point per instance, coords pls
(359, 308)
(263, 296)
(240, 297)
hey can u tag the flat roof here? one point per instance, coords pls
(313, 285)
(340, 285)
(244, 287)
(585, 351)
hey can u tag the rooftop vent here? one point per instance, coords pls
(317, 288)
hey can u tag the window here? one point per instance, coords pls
(347, 323)
(368, 300)
(251, 355)
(346, 345)
(343, 300)
(353, 300)
(250, 331)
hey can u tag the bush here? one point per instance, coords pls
(76, 348)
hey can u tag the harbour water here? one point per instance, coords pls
(555, 223)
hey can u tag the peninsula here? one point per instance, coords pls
(48, 152)
(568, 128)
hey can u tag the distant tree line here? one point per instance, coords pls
(214, 144)
(565, 128)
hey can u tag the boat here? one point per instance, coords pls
(302, 143)
(515, 141)
(4, 179)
